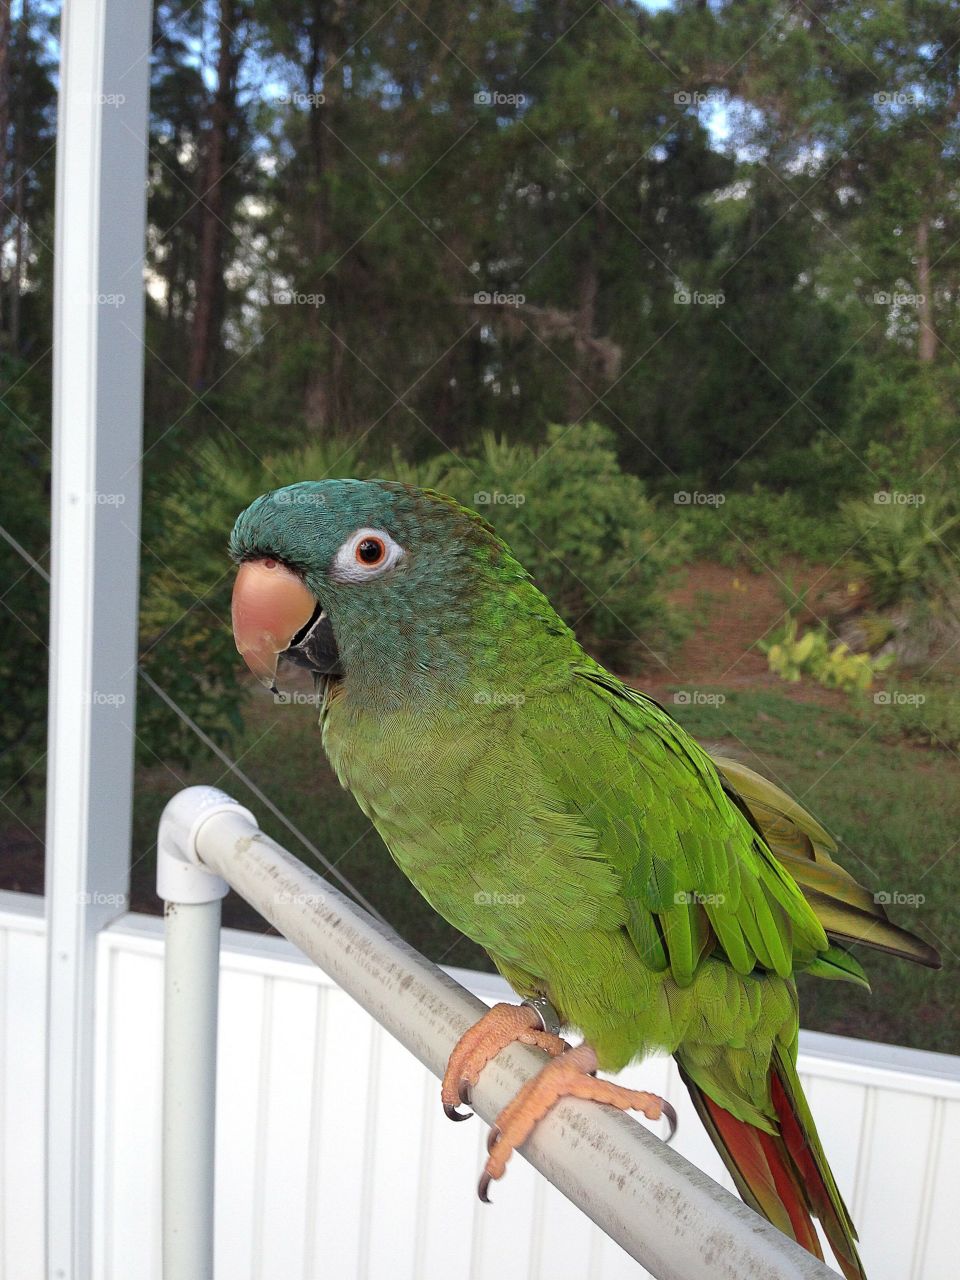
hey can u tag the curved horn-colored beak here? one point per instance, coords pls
(270, 605)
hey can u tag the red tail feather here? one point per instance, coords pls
(784, 1177)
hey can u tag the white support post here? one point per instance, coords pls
(191, 978)
(97, 409)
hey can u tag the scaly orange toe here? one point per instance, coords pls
(502, 1025)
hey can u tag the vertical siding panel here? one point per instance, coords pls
(564, 1237)
(261, 1130)
(22, 1073)
(926, 1193)
(345, 1074)
(938, 1255)
(238, 1096)
(286, 1157)
(7, 1145)
(317, 1136)
(450, 1204)
(890, 1199)
(132, 1112)
(503, 1227)
(397, 1119)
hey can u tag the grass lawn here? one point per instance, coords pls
(894, 808)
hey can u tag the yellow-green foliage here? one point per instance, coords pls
(834, 666)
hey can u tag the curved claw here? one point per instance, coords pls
(451, 1112)
(483, 1186)
(669, 1113)
(493, 1137)
(464, 1091)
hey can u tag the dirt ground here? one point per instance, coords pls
(730, 610)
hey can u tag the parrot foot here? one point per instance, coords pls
(502, 1025)
(569, 1076)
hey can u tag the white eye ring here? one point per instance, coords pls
(348, 564)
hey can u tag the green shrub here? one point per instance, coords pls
(762, 528)
(593, 541)
(905, 550)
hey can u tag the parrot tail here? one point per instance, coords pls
(784, 1176)
(848, 912)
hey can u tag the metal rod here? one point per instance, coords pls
(667, 1214)
(191, 979)
(191, 974)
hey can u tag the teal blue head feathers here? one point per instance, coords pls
(366, 577)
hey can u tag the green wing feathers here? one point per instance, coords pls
(699, 876)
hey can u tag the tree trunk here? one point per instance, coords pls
(207, 315)
(19, 208)
(327, 50)
(4, 92)
(580, 398)
(927, 337)
(316, 403)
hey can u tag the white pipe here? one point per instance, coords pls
(191, 978)
(667, 1214)
(191, 973)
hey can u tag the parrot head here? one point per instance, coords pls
(340, 576)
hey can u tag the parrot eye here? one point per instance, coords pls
(365, 554)
(371, 551)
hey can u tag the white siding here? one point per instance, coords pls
(23, 966)
(334, 1159)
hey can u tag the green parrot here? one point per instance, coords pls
(623, 881)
